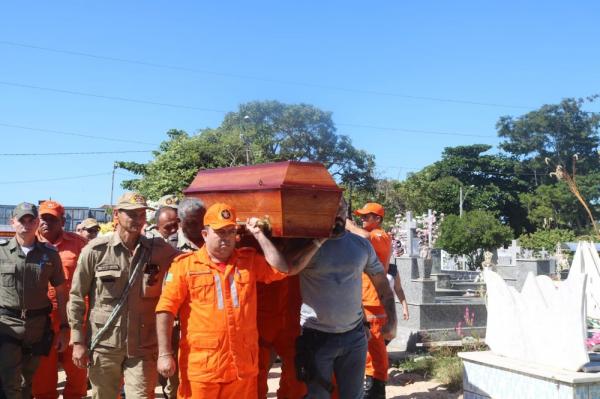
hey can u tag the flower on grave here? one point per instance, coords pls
(458, 329)
(593, 340)
(469, 317)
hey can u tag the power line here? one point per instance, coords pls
(54, 179)
(258, 78)
(64, 133)
(71, 153)
(105, 97)
(472, 171)
(399, 129)
(393, 129)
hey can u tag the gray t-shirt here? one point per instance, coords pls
(331, 284)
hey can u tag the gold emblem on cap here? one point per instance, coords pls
(137, 199)
(225, 214)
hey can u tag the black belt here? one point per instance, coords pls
(308, 330)
(25, 313)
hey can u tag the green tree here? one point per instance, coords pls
(258, 132)
(490, 182)
(546, 239)
(554, 131)
(554, 206)
(475, 230)
(385, 193)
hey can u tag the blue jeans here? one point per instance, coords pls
(344, 355)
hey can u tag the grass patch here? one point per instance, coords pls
(448, 371)
(442, 365)
(422, 365)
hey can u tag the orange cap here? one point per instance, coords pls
(371, 207)
(52, 208)
(220, 215)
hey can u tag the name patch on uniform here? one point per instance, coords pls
(105, 268)
(198, 272)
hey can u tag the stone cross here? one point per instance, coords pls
(412, 244)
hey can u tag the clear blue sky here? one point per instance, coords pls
(382, 64)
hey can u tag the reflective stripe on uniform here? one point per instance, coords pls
(234, 294)
(220, 304)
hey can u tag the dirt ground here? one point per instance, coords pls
(400, 386)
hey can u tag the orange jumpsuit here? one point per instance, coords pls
(278, 327)
(377, 359)
(45, 379)
(218, 351)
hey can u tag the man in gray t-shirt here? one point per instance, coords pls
(332, 315)
(331, 284)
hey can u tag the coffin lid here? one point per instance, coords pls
(276, 175)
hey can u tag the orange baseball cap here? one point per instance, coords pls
(371, 207)
(220, 215)
(53, 208)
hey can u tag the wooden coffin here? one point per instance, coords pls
(299, 198)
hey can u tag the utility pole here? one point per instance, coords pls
(112, 186)
(245, 138)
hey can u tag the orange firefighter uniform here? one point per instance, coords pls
(278, 327)
(377, 359)
(216, 303)
(45, 379)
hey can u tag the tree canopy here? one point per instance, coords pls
(474, 230)
(258, 132)
(556, 132)
(490, 182)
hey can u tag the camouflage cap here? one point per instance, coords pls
(168, 200)
(131, 200)
(23, 209)
(90, 223)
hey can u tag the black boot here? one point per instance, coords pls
(374, 388)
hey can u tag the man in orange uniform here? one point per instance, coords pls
(377, 360)
(69, 245)
(278, 327)
(214, 292)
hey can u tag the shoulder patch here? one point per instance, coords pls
(50, 246)
(99, 241)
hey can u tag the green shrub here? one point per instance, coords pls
(546, 239)
(422, 365)
(448, 371)
(475, 230)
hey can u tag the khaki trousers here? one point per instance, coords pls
(110, 366)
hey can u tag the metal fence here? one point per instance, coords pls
(73, 215)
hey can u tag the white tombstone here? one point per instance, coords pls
(587, 262)
(541, 324)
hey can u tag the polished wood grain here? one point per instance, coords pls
(299, 198)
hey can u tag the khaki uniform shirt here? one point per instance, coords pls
(24, 281)
(102, 273)
(184, 244)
